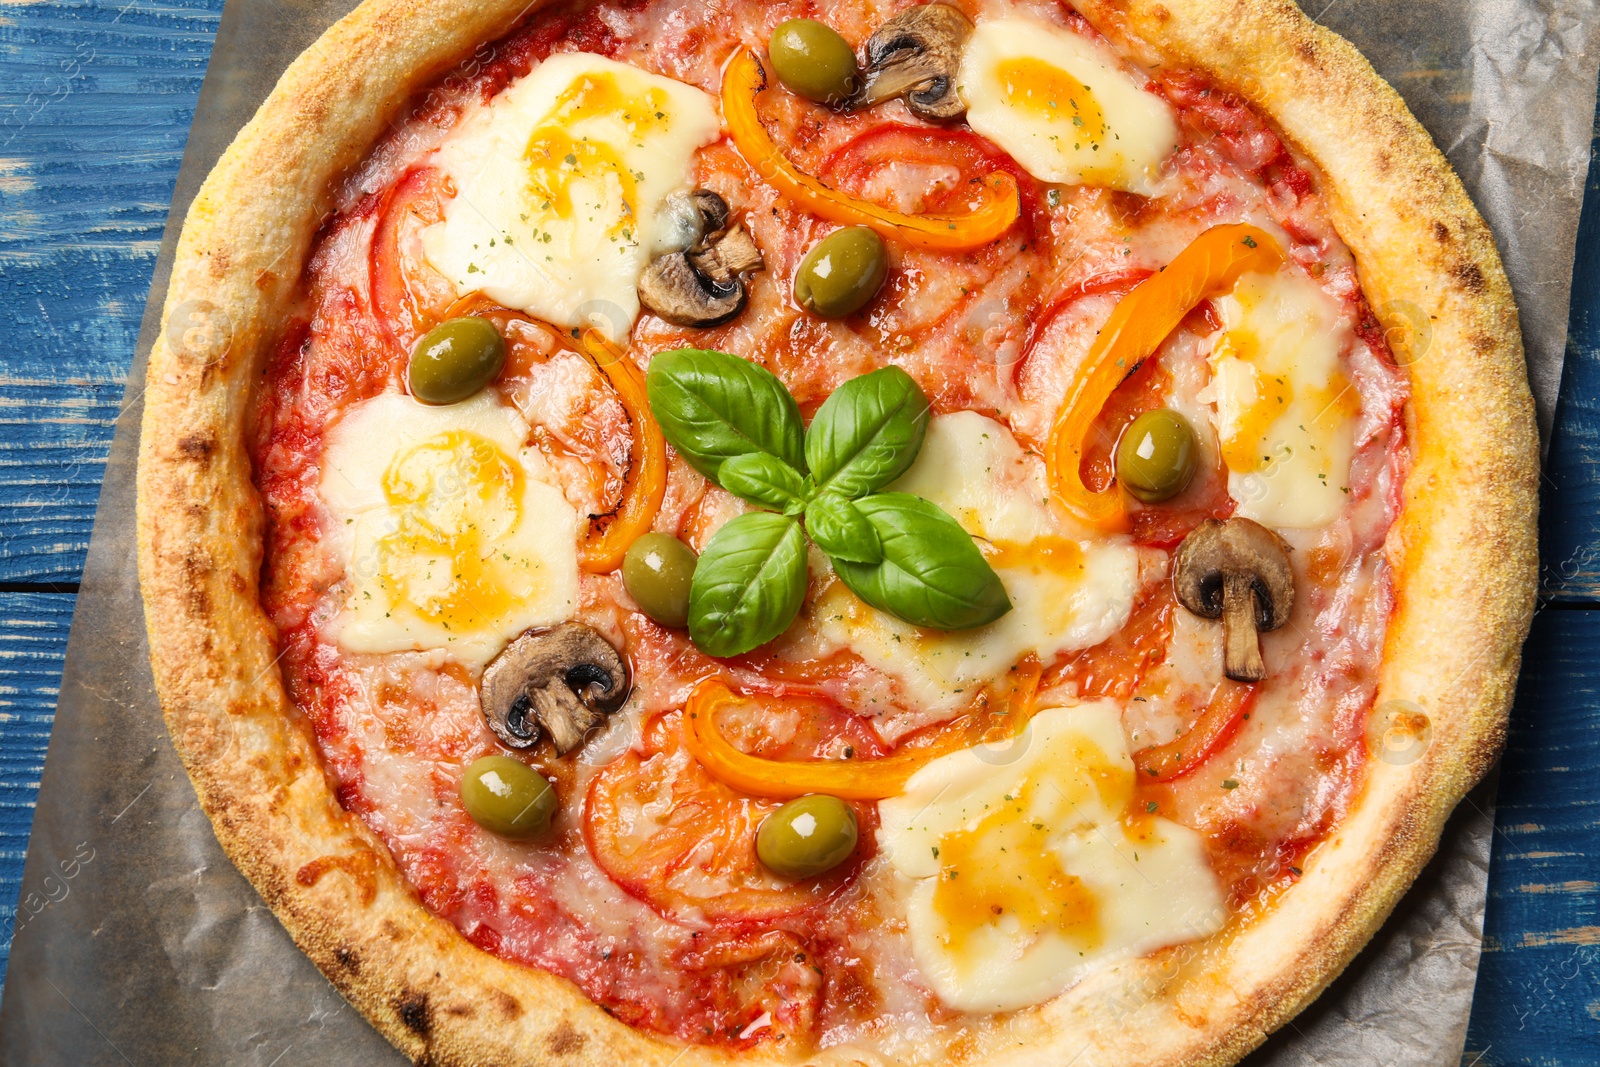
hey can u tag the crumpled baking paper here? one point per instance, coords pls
(138, 943)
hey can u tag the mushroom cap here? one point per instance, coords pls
(702, 285)
(1242, 547)
(672, 288)
(563, 679)
(713, 210)
(915, 55)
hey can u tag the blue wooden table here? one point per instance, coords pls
(95, 105)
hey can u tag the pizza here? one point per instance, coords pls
(977, 532)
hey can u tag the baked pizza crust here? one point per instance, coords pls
(1463, 554)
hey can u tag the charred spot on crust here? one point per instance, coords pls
(1470, 275)
(510, 1007)
(199, 604)
(1441, 232)
(197, 446)
(348, 958)
(564, 1040)
(412, 1007)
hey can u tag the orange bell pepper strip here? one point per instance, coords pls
(1141, 321)
(646, 484)
(744, 79)
(606, 542)
(1003, 715)
(1225, 712)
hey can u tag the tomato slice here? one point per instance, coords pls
(408, 296)
(856, 163)
(1224, 713)
(756, 987)
(1116, 666)
(1144, 390)
(1118, 282)
(678, 839)
(1161, 525)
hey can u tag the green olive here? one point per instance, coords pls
(508, 797)
(842, 272)
(656, 572)
(1157, 455)
(813, 61)
(807, 836)
(455, 359)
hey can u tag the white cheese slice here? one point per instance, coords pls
(453, 534)
(1285, 412)
(1032, 869)
(1067, 590)
(1063, 108)
(560, 181)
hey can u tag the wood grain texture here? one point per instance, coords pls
(1538, 995)
(1570, 521)
(33, 644)
(95, 103)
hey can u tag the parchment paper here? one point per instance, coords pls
(138, 943)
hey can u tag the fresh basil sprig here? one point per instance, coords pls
(931, 573)
(839, 529)
(748, 585)
(713, 406)
(765, 480)
(738, 425)
(867, 433)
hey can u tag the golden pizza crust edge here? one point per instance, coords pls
(1463, 553)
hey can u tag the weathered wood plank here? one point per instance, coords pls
(33, 644)
(1570, 521)
(53, 442)
(95, 103)
(1538, 995)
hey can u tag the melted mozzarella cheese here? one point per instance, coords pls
(1062, 107)
(1031, 868)
(1285, 414)
(1067, 591)
(561, 181)
(452, 535)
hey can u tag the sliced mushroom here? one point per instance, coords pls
(562, 681)
(703, 283)
(915, 55)
(1239, 570)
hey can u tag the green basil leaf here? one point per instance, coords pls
(713, 406)
(867, 432)
(841, 531)
(765, 480)
(748, 585)
(932, 573)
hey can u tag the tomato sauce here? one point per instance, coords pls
(647, 894)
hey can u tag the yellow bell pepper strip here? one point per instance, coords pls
(1225, 712)
(1139, 323)
(646, 484)
(1003, 715)
(744, 79)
